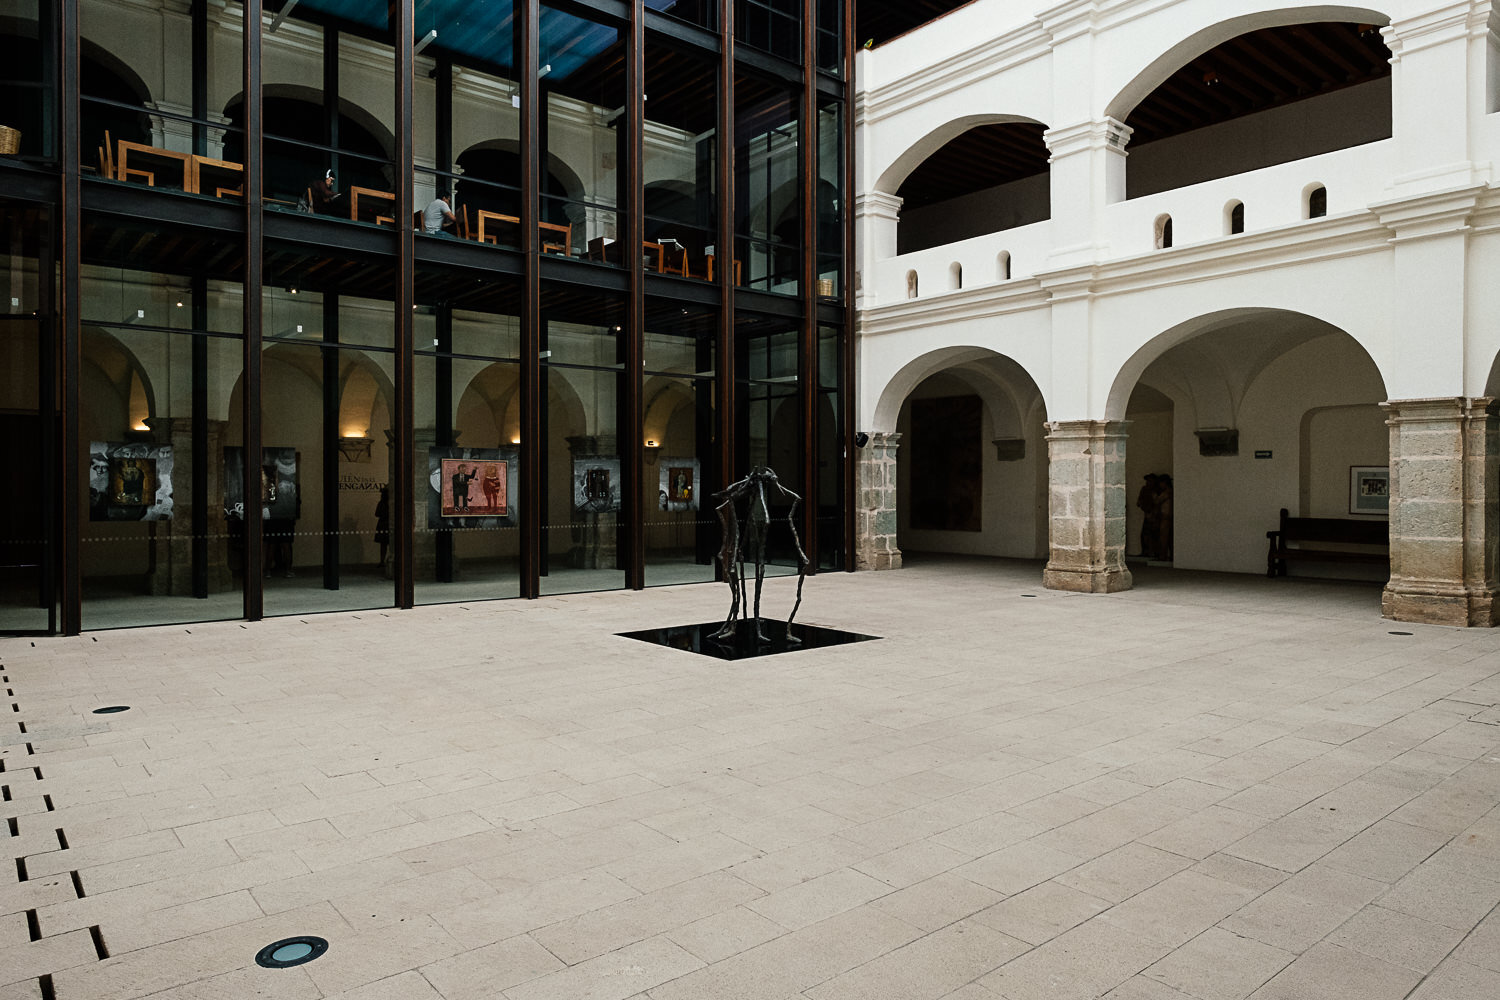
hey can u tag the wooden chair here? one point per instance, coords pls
(416, 220)
(674, 260)
(564, 247)
(107, 157)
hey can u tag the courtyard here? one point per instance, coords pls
(1212, 786)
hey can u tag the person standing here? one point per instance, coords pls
(1146, 501)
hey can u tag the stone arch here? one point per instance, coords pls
(118, 377)
(1146, 78)
(1130, 372)
(916, 371)
(908, 160)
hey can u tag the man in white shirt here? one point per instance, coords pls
(437, 215)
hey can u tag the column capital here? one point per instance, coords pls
(1451, 22)
(1106, 134)
(1091, 430)
(1424, 216)
(879, 205)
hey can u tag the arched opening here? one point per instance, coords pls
(1234, 218)
(1315, 202)
(955, 276)
(1162, 238)
(987, 179)
(492, 178)
(972, 465)
(1243, 414)
(296, 127)
(1002, 266)
(1270, 95)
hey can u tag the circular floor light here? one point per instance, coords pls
(111, 709)
(292, 951)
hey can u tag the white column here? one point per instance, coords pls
(1088, 174)
(876, 215)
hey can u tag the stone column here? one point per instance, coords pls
(1445, 524)
(875, 508)
(1086, 506)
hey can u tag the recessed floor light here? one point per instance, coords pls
(1398, 633)
(111, 709)
(291, 951)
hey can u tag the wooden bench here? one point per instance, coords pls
(1310, 538)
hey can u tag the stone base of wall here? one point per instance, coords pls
(875, 504)
(1464, 610)
(1101, 581)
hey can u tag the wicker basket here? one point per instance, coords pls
(10, 141)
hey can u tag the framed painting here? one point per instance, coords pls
(1369, 489)
(470, 487)
(130, 481)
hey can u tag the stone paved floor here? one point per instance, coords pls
(1210, 787)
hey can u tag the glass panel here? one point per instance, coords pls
(680, 167)
(831, 457)
(328, 107)
(581, 457)
(830, 38)
(27, 360)
(325, 429)
(27, 69)
(773, 26)
(830, 198)
(681, 469)
(328, 407)
(468, 122)
(582, 80)
(468, 438)
(700, 12)
(769, 413)
(768, 220)
(154, 106)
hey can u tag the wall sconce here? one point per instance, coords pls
(355, 449)
(653, 452)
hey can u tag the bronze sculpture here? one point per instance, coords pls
(757, 522)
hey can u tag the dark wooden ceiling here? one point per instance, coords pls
(1261, 70)
(1253, 72)
(879, 21)
(980, 158)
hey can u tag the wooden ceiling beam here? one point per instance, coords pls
(1318, 79)
(1311, 38)
(1250, 71)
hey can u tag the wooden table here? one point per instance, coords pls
(371, 195)
(227, 171)
(484, 217)
(153, 158)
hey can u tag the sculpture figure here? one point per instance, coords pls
(752, 490)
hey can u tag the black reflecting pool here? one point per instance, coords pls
(699, 639)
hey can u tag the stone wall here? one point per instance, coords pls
(1086, 506)
(875, 544)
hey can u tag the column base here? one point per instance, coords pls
(1079, 581)
(1458, 607)
(877, 560)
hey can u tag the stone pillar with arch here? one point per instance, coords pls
(875, 545)
(1444, 515)
(1086, 506)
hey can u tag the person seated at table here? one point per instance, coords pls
(438, 215)
(324, 194)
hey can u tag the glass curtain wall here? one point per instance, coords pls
(163, 494)
(680, 460)
(467, 436)
(159, 427)
(582, 497)
(28, 427)
(767, 192)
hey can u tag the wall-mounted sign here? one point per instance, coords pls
(1263, 454)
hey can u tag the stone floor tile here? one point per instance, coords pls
(615, 976)
(1397, 937)
(1218, 965)
(345, 880)
(911, 864)
(726, 933)
(1124, 872)
(485, 972)
(619, 924)
(680, 862)
(250, 981)
(1179, 908)
(937, 902)
(1041, 913)
(929, 968)
(1252, 876)
(1455, 980)
(404, 986)
(1143, 987)
(1086, 962)
(1444, 896)
(1329, 972)
(523, 908)
(1304, 909)
(182, 920)
(355, 960)
(1482, 946)
(30, 959)
(1019, 867)
(424, 894)
(1203, 833)
(819, 898)
(1387, 850)
(795, 961)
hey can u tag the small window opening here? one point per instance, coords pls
(911, 284)
(955, 275)
(1003, 265)
(1163, 232)
(1317, 202)
(1237, 218)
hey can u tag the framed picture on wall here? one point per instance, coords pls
(1369, 489)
